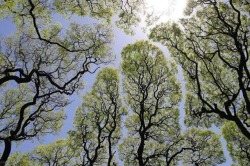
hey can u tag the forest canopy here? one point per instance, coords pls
(131, 114)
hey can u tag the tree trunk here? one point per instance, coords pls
(6, 152)
(140, 152)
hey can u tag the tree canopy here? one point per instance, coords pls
(36, 75)
(42, 61)
(98, 121)
(212, 47)
(131, 114)
(154, 135)
(153, 94)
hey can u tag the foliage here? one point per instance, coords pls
(153, 93)
(203, 147)
(212, 48)
(41, 13)
(19, 158)
(38, 75)
(41, 63)
(98, 121)
(56, 153)
(237, 144)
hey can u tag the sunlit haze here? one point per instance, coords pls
(168, 9)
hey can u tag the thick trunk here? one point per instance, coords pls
(6, 152)
(140, 152)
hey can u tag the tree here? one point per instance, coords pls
(153, 93)
(40, 14)
(212, 46)
(98, 121)
(39, 75)
(23, 118)
(58, 153)
(19, 158)
(202, 147)
(42, 62)
(237, 144)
